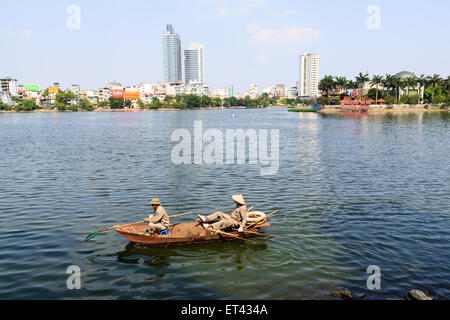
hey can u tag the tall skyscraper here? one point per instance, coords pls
(172, 56)
(194, 63)
(308, 85)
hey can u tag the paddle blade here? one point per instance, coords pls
(92, 236)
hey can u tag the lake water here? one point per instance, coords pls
(353, 191)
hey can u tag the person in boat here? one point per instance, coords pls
(160, 221)
(238, 219)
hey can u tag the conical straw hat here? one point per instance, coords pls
(156, 202)
(239, 199)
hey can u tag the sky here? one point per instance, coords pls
(246, 41)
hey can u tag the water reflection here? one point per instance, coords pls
(209, 253)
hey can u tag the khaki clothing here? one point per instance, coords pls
(240, 215)
(160, 218)
(153, 227)
(238, 219)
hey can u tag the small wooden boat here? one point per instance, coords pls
(182, 233)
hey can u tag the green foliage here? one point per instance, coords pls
(327, 84)
(85, 106)
(155, 104)
(290, 102)
(61, 106)
(65, 97)
(192, 101)
(302, 110)
(216, 102)
(322, 101)
(102, 104)
(435, 95)
(73, 108)
(5, 107)
(116, 103)
(18, 100)
(27, 105)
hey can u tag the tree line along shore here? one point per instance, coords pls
(65, 102)
(425, 92)
(402, 89)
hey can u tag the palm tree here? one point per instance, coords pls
(396, 85)
(327, 84)
(351, 84)
(341, 83)
(433, 81)
(388, 82)
(376, 81)
(361, 79)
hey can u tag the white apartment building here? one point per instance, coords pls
(194, 63)
(253, 92)
(308, 85)
(132, 89)
(146, 92)
(9, 86)
(75, 89)
(104, 94)
(146, 88)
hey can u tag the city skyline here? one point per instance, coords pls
(247, 41)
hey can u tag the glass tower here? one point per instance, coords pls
(172, 56)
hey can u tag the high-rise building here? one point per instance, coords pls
(172, 56)
(9, 86)
(308, 85)
(194, 63)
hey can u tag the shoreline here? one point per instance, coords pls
(330, 109)
(142, 110)
(385, 109)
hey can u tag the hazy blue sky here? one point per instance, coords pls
(246, 41)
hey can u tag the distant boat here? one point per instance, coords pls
(234, 116)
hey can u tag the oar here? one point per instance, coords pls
(261, 219)
(261, 234)
(229, 234)
(96, 233)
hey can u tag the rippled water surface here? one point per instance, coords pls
(352, 190)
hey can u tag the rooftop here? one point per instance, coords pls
(405, 75)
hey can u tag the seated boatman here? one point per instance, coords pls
(160, 221)
(238, 219)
